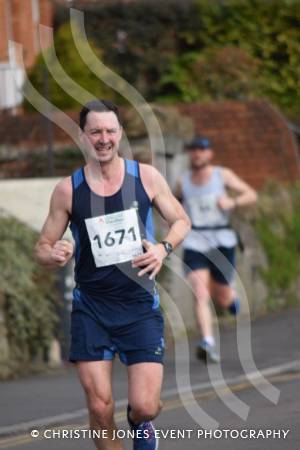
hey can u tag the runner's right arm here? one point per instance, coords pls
(171, 211)
(50, 249)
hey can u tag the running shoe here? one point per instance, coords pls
(147, 439)
(207, 352)
(235, 307)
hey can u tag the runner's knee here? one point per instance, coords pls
(102, 411)
(146, 409)
(100, 405)
(224, 296)
(201, 295)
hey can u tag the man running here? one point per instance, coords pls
(108, 204)
(209, 248)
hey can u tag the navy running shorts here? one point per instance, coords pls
(101, 328)
(221, 269)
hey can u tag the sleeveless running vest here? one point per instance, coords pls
(115, 281)
(210, 225)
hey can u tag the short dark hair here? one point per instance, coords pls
(98, 106)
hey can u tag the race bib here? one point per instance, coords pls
(114, 238)
(205, 211)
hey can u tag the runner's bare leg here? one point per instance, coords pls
(96, 379)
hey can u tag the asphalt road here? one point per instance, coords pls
(177, 429)
(267, 423)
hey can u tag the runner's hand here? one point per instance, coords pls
(226, 203)
(152, 260)
(62, 252)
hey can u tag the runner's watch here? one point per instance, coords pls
(168, 246)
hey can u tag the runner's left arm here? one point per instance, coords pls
(171, 210)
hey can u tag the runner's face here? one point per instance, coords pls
(199, 157)
(103, 134)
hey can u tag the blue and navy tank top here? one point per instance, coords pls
(113, 282)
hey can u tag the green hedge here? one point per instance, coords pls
(277, 225)
(28, 293)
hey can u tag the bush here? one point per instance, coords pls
(27, 293)
(278, 228)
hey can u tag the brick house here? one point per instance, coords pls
(19, 22)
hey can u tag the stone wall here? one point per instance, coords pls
(250, 137)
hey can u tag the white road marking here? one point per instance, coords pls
(166, 394)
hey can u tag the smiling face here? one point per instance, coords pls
(101, 135)
(200, 157)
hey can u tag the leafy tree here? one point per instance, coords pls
(140, 40)
(73, 65)
(160, 47)
(216, 73)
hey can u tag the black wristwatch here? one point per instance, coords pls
(168, 246)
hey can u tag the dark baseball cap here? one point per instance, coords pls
(198, 142)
